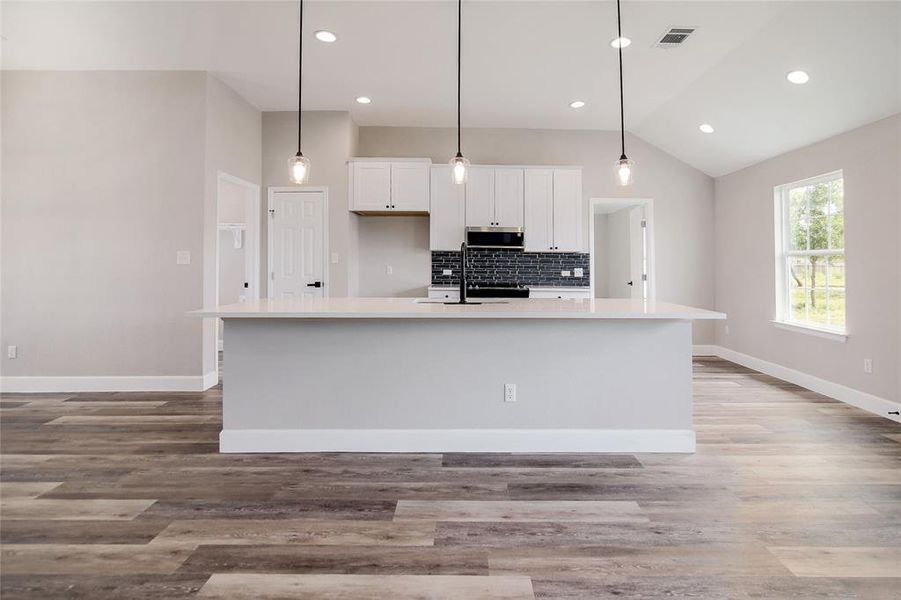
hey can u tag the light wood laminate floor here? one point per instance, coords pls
(790, 495)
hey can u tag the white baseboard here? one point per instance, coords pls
(704, 350)
(863, 400)
(139, 383)
(457, 440)
(210, 379)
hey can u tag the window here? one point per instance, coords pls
(810, 273)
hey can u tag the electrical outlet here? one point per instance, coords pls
(334, 258)
(578, 272)
(726, 329)
(868, 365)
(183, 257)
(389, 270)
(509, 392)
(12, 351)
(565, 273)
(447, 272)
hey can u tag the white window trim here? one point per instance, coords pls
(835, 335)
(781, 227)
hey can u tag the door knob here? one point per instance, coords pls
(318, 284)
(629, 283)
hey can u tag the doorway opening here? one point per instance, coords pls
(237, 244)
(621, 238)
(298, 242)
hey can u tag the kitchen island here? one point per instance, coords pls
(409, 375)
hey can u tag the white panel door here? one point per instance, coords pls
(447, 219)
(568, 210)
(372, 186)
(508, 197)
(539, 210)
(410, 186)
(296, 244)
(480, 197)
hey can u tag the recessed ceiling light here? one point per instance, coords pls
(706, 127)
(798, 77)
(620, 42)
(364, 100)
(326, 36)
(576, 104)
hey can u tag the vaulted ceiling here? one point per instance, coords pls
(523, 62)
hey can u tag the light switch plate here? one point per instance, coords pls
(334, 258)
(389, 270)
(12, 351)
(183, 257)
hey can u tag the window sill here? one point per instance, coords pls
(829, 334)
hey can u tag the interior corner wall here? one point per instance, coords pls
(683, 202)
(232, 145)
(102, 182)
(328, 140)
(870, 158)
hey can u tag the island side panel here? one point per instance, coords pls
(403, 384)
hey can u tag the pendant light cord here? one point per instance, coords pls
(622, 119)
(299, 77)
(459, 54)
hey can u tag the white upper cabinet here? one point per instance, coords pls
(508, 198)
(494, 197)
(410, 186)
(447, 218)
(385, 186)
(539, 210)
(567, 210)
(553, 204)
(480, 197)
(371, 182)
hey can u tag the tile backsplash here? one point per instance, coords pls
(488, 265)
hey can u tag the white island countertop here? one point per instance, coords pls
(420, 308)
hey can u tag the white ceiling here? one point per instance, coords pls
(523, 62)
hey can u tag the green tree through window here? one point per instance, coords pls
(813, 252)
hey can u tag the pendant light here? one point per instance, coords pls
(624, 167)
(299, 165)
(459, 164)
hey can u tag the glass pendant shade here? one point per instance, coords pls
(299, 168)
(625, 170)
(459, 169)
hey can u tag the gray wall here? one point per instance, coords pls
(683, 198)
(745, 266)
(102, 181)
(329, 139)
(105, 175)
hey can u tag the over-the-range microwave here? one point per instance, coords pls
(495, 237)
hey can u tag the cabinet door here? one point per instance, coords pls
(480, 197)
(568, 210)
(447, 218)
(372, 186)
(508, 197)
(539, 210)
(410, 186)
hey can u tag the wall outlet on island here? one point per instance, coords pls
(868, 365)
(389, 270)
(509, 392)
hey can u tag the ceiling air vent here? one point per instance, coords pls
(674, 36)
